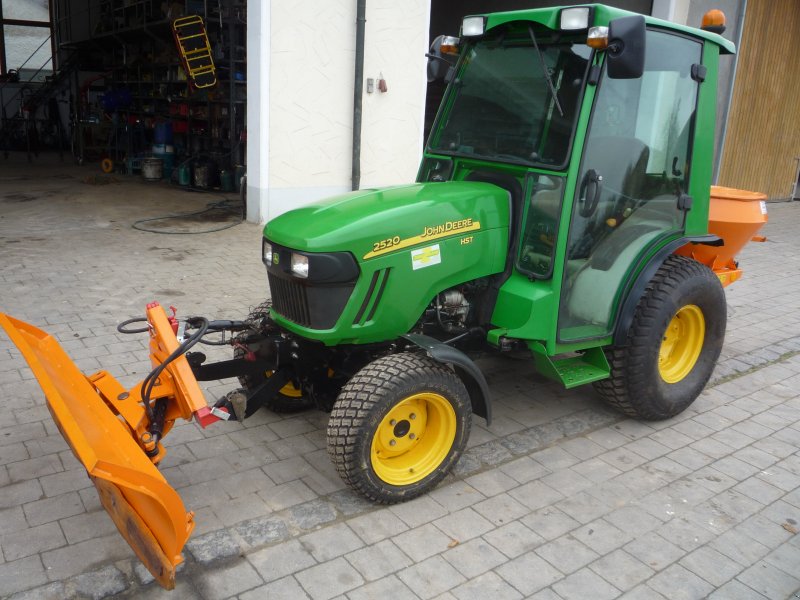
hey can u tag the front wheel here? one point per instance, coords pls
(673, 344)
(398, 427)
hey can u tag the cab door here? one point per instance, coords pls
(634, 169)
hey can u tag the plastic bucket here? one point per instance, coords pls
(167, 154)
(152, 169)
(237, 178)
(201, 176)
(184, 174)
(226, 181)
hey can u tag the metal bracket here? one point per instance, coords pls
(699, 73)
(220, 414)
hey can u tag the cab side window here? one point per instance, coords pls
(635, 166)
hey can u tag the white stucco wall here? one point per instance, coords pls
(301, 138)
(672, 10)
(391, 138)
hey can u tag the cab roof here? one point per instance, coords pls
(602, 15)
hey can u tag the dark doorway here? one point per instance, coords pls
(446, 17)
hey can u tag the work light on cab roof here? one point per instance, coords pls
(473, 26)
(576, 18)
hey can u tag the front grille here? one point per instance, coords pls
(317, 301)
(290, 299)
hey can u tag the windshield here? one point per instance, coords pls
(502, 108)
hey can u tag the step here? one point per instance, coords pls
(588, 366)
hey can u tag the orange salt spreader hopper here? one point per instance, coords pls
(735, 216)
(105, 425)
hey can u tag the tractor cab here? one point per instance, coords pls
(588, 116)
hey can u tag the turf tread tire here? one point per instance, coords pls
(363, 402)
(635, 386)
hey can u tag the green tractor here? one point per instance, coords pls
(563, 208)
(561, 201)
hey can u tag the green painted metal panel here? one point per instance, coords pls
(571, 371)
(549, 17)
(703, 150)
(428, 237)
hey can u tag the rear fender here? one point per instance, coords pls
(637, 288)
(465, 368)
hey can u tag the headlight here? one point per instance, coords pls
(266, 248)
(300, 265)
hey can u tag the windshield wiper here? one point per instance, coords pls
(546, 71)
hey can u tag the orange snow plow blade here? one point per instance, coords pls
(103, 424)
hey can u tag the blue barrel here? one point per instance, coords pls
(163, 133)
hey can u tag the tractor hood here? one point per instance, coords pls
(372, 223)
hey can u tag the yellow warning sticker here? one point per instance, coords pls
(426, 257)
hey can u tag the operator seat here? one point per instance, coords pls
(622, 161)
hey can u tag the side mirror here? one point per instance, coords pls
(442, 57)
(626, 47)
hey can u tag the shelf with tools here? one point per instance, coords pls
(138, 81)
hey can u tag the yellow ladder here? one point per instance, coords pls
(192, 41)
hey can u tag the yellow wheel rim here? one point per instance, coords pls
(413, 439)
(682, 343)
(290, 389)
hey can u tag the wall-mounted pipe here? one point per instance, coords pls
(358, 90)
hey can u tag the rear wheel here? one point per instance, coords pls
(398, 427)
(673, 344)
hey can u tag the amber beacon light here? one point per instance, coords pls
(714, 21)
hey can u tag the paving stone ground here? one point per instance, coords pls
(560, 498)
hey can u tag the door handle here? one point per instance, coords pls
(591, 186)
